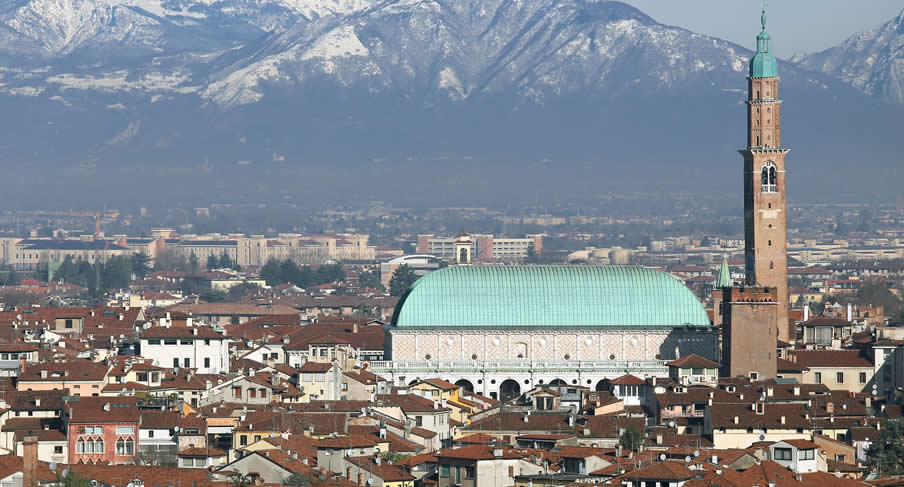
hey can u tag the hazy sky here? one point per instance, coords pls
(795, 25)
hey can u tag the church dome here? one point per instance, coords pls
(550, 297)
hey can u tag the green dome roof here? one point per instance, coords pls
(549, 296)
(763, 64)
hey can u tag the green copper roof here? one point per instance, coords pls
(724, 278)
(549, 296)
(763, 64)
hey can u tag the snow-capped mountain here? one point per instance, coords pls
(274, 80)
(872, 61)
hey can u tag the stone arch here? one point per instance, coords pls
(600, 386)
(465, 384)
(558, 383)
(509, 389)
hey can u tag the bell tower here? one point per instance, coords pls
(765, 217)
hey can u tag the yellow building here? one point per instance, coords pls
(447, 394)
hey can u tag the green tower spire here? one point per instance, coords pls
(763, 64)
(724, 279)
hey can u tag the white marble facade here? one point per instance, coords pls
(550, 345)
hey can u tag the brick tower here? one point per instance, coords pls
(765, 218)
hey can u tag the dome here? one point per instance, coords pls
(549, 296)
(763, 65)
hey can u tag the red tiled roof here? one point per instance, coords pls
(692, 360)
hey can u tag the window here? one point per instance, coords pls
(817, 378)
(418, 421)
(150, 433)
(469, 472)
(142, 377)
(243, 440)
(697, 371)
(444, 471)
(863, 377)
(99, 445)
(783, 454)
(130, 447)
(252, 393)
(187, 362)
(839, 457)
(839, 377)
(153, 342)
(769, 178)
(58, 449)
(176, 362)
(806, 454)
(206, 362)
(120, 447)
(68, 324)
(237, 392)
(263, 393)
(170, 342)
(80, 446)
(125, 430)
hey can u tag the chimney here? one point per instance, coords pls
(715, 459)
(497, 452)
(22, 365)
(783, 420)
(770, 391)
(378, 460)
(526, 418)
(30, 461)
(796, 390)
(806, 313)
(44, 373)
(736, 420)
(382, 433)
(355, 327)
(37, 402)
(830, 407)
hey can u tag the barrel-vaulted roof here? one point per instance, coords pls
(549, 296)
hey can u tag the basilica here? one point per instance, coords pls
(501, 330)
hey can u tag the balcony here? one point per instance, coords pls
(693, 413)
(526, 366)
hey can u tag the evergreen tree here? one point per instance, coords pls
(225, 261)
(141, 266)
(887, 454)
(402, 279)
(12, 278)
(271, 272)
(631, 439)
(289, 272)
(212, 262)
(193, 263)
(296, 480)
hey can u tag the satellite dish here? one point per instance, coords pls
(52, 466)
(662, 457)
(875, 386)
(350, 452)
(65, 472)
(672, 423)
(762, 437)
(696, 453)
(687, 459)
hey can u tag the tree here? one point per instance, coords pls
(296, 480)
(141, 266)
(370, 280)
(212, 262)
(72, 479)
(193, 263)
(225, 262)
(272, 272)
(887, 454)
(402, 279)
(240, 480)
(531, 254)
(116, 273)
(631, 439)
(289, 272)
(170, 260)
(12, 278)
